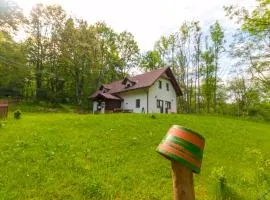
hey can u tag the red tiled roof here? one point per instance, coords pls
(105, 95)
(142, 81)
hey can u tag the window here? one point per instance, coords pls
(168, 104)
(159, 103)
(138, 102)
(160, 84)
(167, 86)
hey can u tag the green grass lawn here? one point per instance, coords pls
(71, 156)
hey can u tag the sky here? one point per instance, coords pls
(147, 20)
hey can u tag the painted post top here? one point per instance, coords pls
(184, 146)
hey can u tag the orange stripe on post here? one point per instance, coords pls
(187, 136)
(178, 147)
(180, 154)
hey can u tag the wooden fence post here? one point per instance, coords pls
(3, 109)
(184, 148)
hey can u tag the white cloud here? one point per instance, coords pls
(146, 19)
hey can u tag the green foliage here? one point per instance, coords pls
(261, 164)
(153, 116)
(17, 114)
(151, 60)
(64, 59)
(43, 106)
(220, 179)
(11, 16)
(208, 71)
(217, 36)
(2, 123)
(128, 51)
(255, 24)
(13, 69)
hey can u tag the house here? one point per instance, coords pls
(151, 92)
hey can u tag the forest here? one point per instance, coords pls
(63, 59)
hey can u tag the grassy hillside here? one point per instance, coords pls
(69, 156)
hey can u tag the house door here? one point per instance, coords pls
(167, 106)
(161, 106)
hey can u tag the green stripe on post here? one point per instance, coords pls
(172, 156)
(196, 151)
(175, 146)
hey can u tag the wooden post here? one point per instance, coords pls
(3, 109)
(183, 188)
(184, 148)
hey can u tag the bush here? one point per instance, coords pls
(2, 124)
(17, 114)
(153, 116)
(259, 114)
(253, 112)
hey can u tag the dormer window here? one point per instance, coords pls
(128, 82)
(105, 90)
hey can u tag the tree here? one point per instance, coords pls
(208, 69)
(128, 51)
(109, 58)
(217, 36)
(197, 34)
(55, 17)
(255, 24)
(13, 68)
(35, 44)
(181, 52)
(46, 24)
(80, 57)
(11, 16)
(151, 60)
(243, 94)
(162, 46)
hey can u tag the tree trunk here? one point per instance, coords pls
(38, 81)
(39, 65)
(198, 78)
(215, 86)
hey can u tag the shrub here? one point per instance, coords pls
(253, 112)
(223, 190)
(218, 175)
(1, 124)
(153, 116)
(17, 114)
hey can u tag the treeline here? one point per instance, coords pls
(63, 59)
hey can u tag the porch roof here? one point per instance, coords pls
(99, 94)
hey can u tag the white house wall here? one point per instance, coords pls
(162, 94)
(95, 103)
(130, 100)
